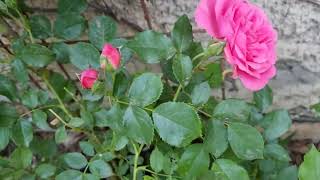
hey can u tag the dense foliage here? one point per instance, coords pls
(137, 125)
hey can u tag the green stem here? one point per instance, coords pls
(198, 56)
(177, 93)
(62, 106)
(136, 158)
(39, 108)
(126, 103)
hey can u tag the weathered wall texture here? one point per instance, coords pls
(298, 25)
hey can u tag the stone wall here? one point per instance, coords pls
(298, 25)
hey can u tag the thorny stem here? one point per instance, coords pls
(136, 158)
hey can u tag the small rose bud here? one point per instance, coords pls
(112, 55)
(88, 78)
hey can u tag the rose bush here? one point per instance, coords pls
(115, 124)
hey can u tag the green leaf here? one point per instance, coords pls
(45, 171)
(100, 169)
(232, 110)
(30, 99)
(35, 55)
(121, 84)
(201, 93)
(245, 141)
(8, 115)
(67, 6)
(40, 26)
(19, 71)
(309, 169)
(152, 47)
(69, 26)
(157, 160)
(89, 177)
(76, 122)
(75, 160)
(101, 30)
(111, 118)
(45, 148)
(7, 88)
(263, 98)
(276, 152)
(61, 51)
(275, 124)
(87, 148)
(60, 135)
(178, 124)
(216, 139)
(138, 125)
(182, 69)
(214, 74)
(194, 161)
(4, 137)
(182, 34)
(21, 158)
(39, 118)
(289, 173)
(3, 8)
(145, 89)
(23, 133)
(226, 169)
(84, 55)
(70, 174)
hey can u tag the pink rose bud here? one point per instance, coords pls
(88, 78)
(112, 55)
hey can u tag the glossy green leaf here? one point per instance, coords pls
(138, 125)
(30, 99)
(182, 69)
(4, 137)
(21, 158)
(194, 161)
(178, 124)
(8, 115)
(182, 34)
(76, 122)
(7, 88)
(60, 135)
(69, 174)
(75, 160)
(35, 55)
(111, 118)
(61, 51)
(67, 6)
(69, 26)
(39, 118)
(101, 30)
(87, 148)
(40, 26)
(84, 55)
(216, 139)
(245, 141)
(46, 148)
(232, 110)
(226, 169)
(19, 70)
(201, 93)
(121, 84)
(275, 124)
(152, 47)
(45, 171)
(309, 169)
(157, 160)
(100, 169)
(289, 173)
(263, 98)
(214, 74)
(23, 133)
(145, 89)
(276, 152)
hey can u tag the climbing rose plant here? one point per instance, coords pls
(109, 122)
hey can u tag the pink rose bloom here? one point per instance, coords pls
(113, 56)
(249, 36)
(88, 78)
